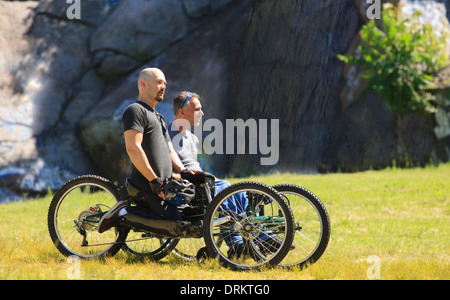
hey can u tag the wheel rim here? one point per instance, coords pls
(187, 249)
(309, 230)
(76, 211)
(144, 244)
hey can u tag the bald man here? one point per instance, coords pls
(150, 150)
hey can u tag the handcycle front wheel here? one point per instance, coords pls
(257, 234)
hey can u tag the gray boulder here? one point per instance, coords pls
(209, 74)
(289, 72)
(139, 30)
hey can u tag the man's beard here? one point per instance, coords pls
(159, 97)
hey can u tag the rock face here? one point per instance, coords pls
(290, 72)
(59, 69)
(41, 146)
(64, 84)
(209, 75)
(16, 130)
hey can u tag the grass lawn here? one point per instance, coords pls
(388, 224)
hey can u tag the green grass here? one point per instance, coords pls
(400, 217)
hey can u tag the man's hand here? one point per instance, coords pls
(176, 176)
(156, 187)
(186, 172)
(181, 175)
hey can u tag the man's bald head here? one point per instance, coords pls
(151, 85)
(149, 73)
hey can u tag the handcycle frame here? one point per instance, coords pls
(204, 200)
(88, 219)
(95, 218)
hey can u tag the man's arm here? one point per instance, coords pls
(133, 144)
(177, 165)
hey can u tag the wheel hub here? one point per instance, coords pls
(249, 230)
(88, 225)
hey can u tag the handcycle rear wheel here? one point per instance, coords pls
(312, 228)
(259, 235)
(188, 249)
(145, 245)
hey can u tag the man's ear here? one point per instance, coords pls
(142, 83)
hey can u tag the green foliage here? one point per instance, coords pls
(401, 56)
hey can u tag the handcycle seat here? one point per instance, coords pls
(142, 219)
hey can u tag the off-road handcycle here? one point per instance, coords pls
(284, 225)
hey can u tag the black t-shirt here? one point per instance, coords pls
(151, 124)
